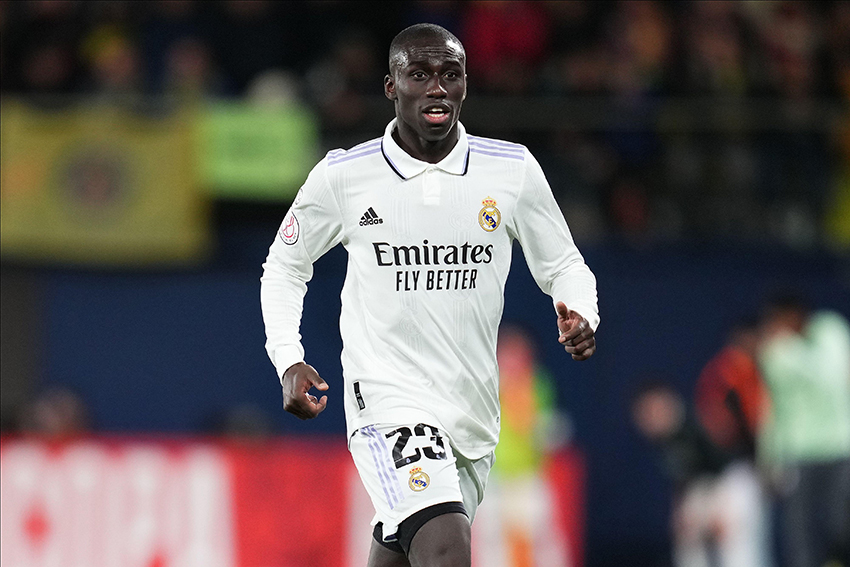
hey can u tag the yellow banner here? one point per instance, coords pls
(99, 185)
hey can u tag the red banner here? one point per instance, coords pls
(284, 503)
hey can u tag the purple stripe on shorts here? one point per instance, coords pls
(376, 458)
(496, 143)
(389, 470)
(390, 466)
(389, 463)
(348, 156)
(498, 154)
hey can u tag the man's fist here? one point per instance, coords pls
(297, 381)
(576, 334)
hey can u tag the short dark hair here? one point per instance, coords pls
(785, 301)
(652, 383)
(419, 31)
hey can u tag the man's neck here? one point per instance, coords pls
(423, 150)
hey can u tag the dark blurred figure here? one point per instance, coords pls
(578, 62)
(178, 59)
(245, 423)
(506, 42)
(57, 414)
(731, 400)
(715, 53)
(716, 517)
(114, 60)
(340, 84)
(805, 361)
(641, 43)
(838, 49)
(40, 46)
(250, 37)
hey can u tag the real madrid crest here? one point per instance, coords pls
(419, 480)
(489, 218)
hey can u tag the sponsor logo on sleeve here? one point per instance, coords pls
(489, 217)
(289, 229)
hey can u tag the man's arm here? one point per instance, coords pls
(555, 262)
(312, 226)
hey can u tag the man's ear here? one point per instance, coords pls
(389, 87)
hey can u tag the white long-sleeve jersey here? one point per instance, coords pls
(429, 250)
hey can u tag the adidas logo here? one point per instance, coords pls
(370, 217)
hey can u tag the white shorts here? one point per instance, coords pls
(407, 468)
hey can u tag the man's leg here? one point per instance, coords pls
(443, 541)
(380, 556)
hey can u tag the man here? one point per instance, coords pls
(716, 509)
(730, 397)
(805, 362)
(427, 214)
(731, 402)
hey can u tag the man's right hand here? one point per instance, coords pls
(297, 381)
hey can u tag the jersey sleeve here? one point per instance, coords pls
(312, 226)
(552, 256)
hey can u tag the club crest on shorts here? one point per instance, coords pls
(419, 480)
(289, 229)
(489, 218)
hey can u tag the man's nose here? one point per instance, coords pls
(435, 88)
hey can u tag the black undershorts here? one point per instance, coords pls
(408, 528)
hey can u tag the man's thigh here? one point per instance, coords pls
(380, 556)
(444, 541)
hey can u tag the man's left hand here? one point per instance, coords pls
(577, 336)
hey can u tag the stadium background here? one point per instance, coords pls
(699, 151)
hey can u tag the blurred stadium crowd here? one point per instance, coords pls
(653, 120)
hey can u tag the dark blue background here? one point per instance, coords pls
(172, 351)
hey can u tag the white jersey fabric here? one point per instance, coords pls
(429, 250)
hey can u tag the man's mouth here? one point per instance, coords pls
(437, 114)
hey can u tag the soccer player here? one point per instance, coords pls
(427, 214)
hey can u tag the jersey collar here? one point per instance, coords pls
(406, 166)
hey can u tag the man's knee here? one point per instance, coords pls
(443, 541)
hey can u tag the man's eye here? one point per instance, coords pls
(418, 75)
(451, 75)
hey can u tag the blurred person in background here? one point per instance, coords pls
(175, 37)
(731, 402)
(508, 42)
(805, 444)
(419, 356)
(40, 47)
(339, 83)
(250, 37)
(58, 413)
(531, 429)
(714, 517)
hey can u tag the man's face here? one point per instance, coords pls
(428, 85)
(658, 414)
